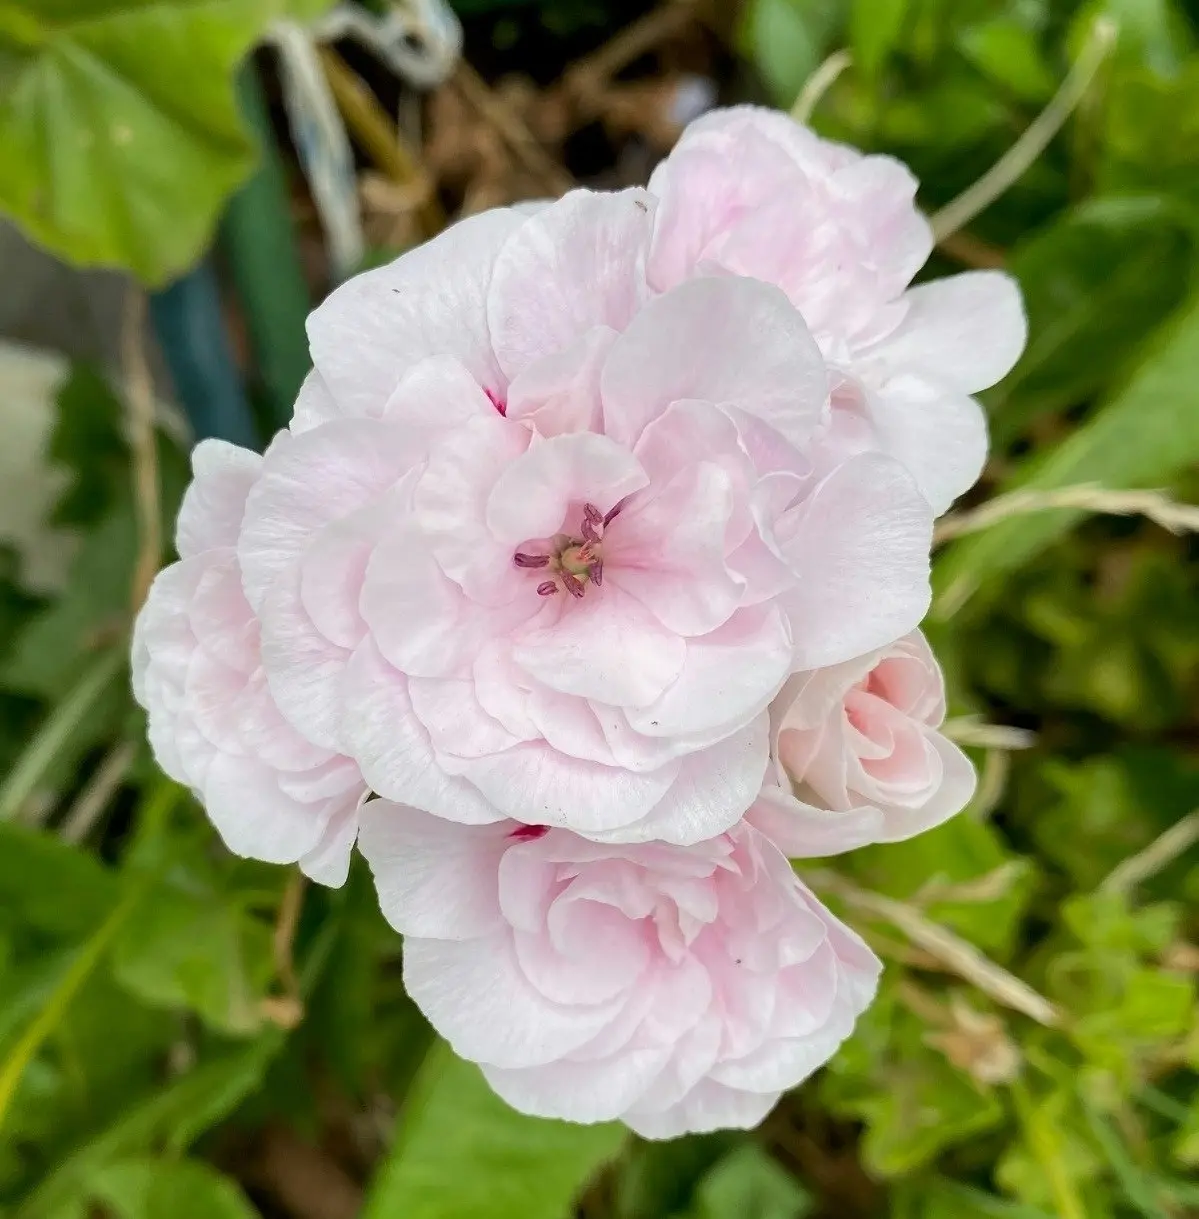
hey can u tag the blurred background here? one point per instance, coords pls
(185, 1035)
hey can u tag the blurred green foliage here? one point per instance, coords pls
(151, 987)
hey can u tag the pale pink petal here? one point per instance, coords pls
(314, 404)
(711, 791)
(589, 239)
(434, 878)
(540, 786)
(708, 1106)
(861, 539)
(451, 505)
(802, 831)
(352, 462)
(592, 1091)
(475, 995)
(668, 551)
(328, 863)
(939, 434)
(531, 498)
(211, 512)
(606, 647)
(252, 815)
(954, 791)
(391, 746)
(966, 331)
(729, 341)
(437, 396)
(419, 618)
(728, 676)
(429, 302)
(560, 393)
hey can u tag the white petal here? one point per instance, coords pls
(431, 301)
(860, 548)
(966, 332)
(576, 265)
(475, 995)
(389, 743)
(726, 340)
(435, 879)
(211, 512)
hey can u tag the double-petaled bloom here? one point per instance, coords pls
(589, 565)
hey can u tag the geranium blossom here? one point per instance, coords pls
(544, 546)
(748, 191)
(675, 988)
(857, 754)
(213, 725)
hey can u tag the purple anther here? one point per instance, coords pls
(530, 560)
(574, 585)
(497, 401)
(592, 513)
(597, 572)
(589, 531)
(547, 588)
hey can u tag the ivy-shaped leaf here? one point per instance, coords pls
(120, 136)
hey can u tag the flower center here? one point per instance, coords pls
(573, 560)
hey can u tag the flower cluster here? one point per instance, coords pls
(582, 593)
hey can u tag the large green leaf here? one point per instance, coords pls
(1096, 284)
(787, 39)
(748, 1184)
(874, 30)
(119, 131)
(1143, 436)
(153, 1189)
(50, 887)
(462, 1153)
(173, 1116)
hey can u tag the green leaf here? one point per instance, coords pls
(113, 155)
(1097, 282)
(875, 27)
(201, 951)
(48, 886)
(462, 1153)
(1008, 53)
(1143, 436)
(749, 1184)
(658, 1179)
(787, 39)
(944, 1199)
(173, 1116)
(154, 1189)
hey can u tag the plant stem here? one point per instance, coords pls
(1013, 164)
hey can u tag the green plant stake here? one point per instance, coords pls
(257, 238)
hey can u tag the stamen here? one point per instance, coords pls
(496, 401)
(574, 585)
(597, 573)
(547, 588)
(530, 560)
(615, 512)
(589, 531)
(592, 513)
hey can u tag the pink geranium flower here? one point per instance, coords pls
(748, 191)
(544, 546)
(675, 988)
(857, 755)
(213, 724)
